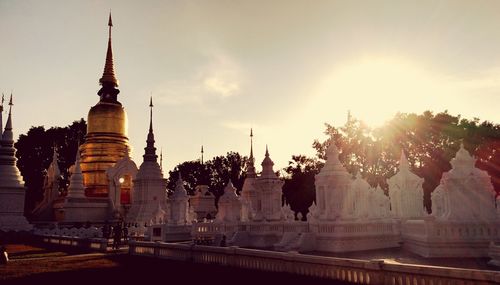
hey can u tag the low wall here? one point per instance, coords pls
(94, 244)
(350, 270)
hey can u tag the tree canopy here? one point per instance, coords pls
(34, 154)
(215, 173)
(429, 141)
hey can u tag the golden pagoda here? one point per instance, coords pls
(106, 141)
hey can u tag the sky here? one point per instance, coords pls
(217, 68)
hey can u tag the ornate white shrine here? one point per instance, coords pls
(229, 205)
(203, 203)
(464, 219)
(44, 210)
(12, 189)
(406, 192)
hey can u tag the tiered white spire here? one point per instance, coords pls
(150, 149)
(251, 160)
(12, 189)
(9, 173)
(180, 191)
(332, 164)
(267, 166)
(404, 165)
(7, 134)
(53, 171)
(76, 188)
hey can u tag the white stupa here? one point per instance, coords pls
(149, 186)
(406, 192)
(12, 189)
(229, 205)
(178, 204)
(465, 193)
(269, 187)
(332, 184)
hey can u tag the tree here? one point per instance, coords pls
(429, 141)
(34, 154)
(299, 191)
(215, 173)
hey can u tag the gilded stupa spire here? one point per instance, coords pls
(108, 76)
(108, 81)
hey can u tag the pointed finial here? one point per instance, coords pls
(267, 151)
(161, 159)
(108, 75)
(1, 104)
(251, 143)
(151, 114)
(7, 134)
(202, 154)
(110, 21)
(349, 117)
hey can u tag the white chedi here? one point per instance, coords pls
(178, 204)
(229, 205)
(159, 215)
(202, 203)
(76, 189)
(357, 200)
(406, 192)
(12, 189)
(465, 193)
(332, 185)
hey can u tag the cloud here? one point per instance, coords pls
(243, 127)
(221, 86)
(220, 77)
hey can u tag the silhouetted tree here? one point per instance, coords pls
(298, 190)
(34, 154)
(215, 173)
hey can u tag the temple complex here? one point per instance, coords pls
(348, 214)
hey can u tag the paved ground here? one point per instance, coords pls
(37, 265)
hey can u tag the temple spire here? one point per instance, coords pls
(251, 143)
(150, 149)
(202, 154)
(251, 161)
(108, 80)
(1, 115)
(161, 160)
(7, 134)
(151, 114)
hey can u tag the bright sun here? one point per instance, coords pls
(374, 90)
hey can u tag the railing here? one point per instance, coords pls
(350, 270)
(98, 244)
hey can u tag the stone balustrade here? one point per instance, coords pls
(349, 270)
(95, 244)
